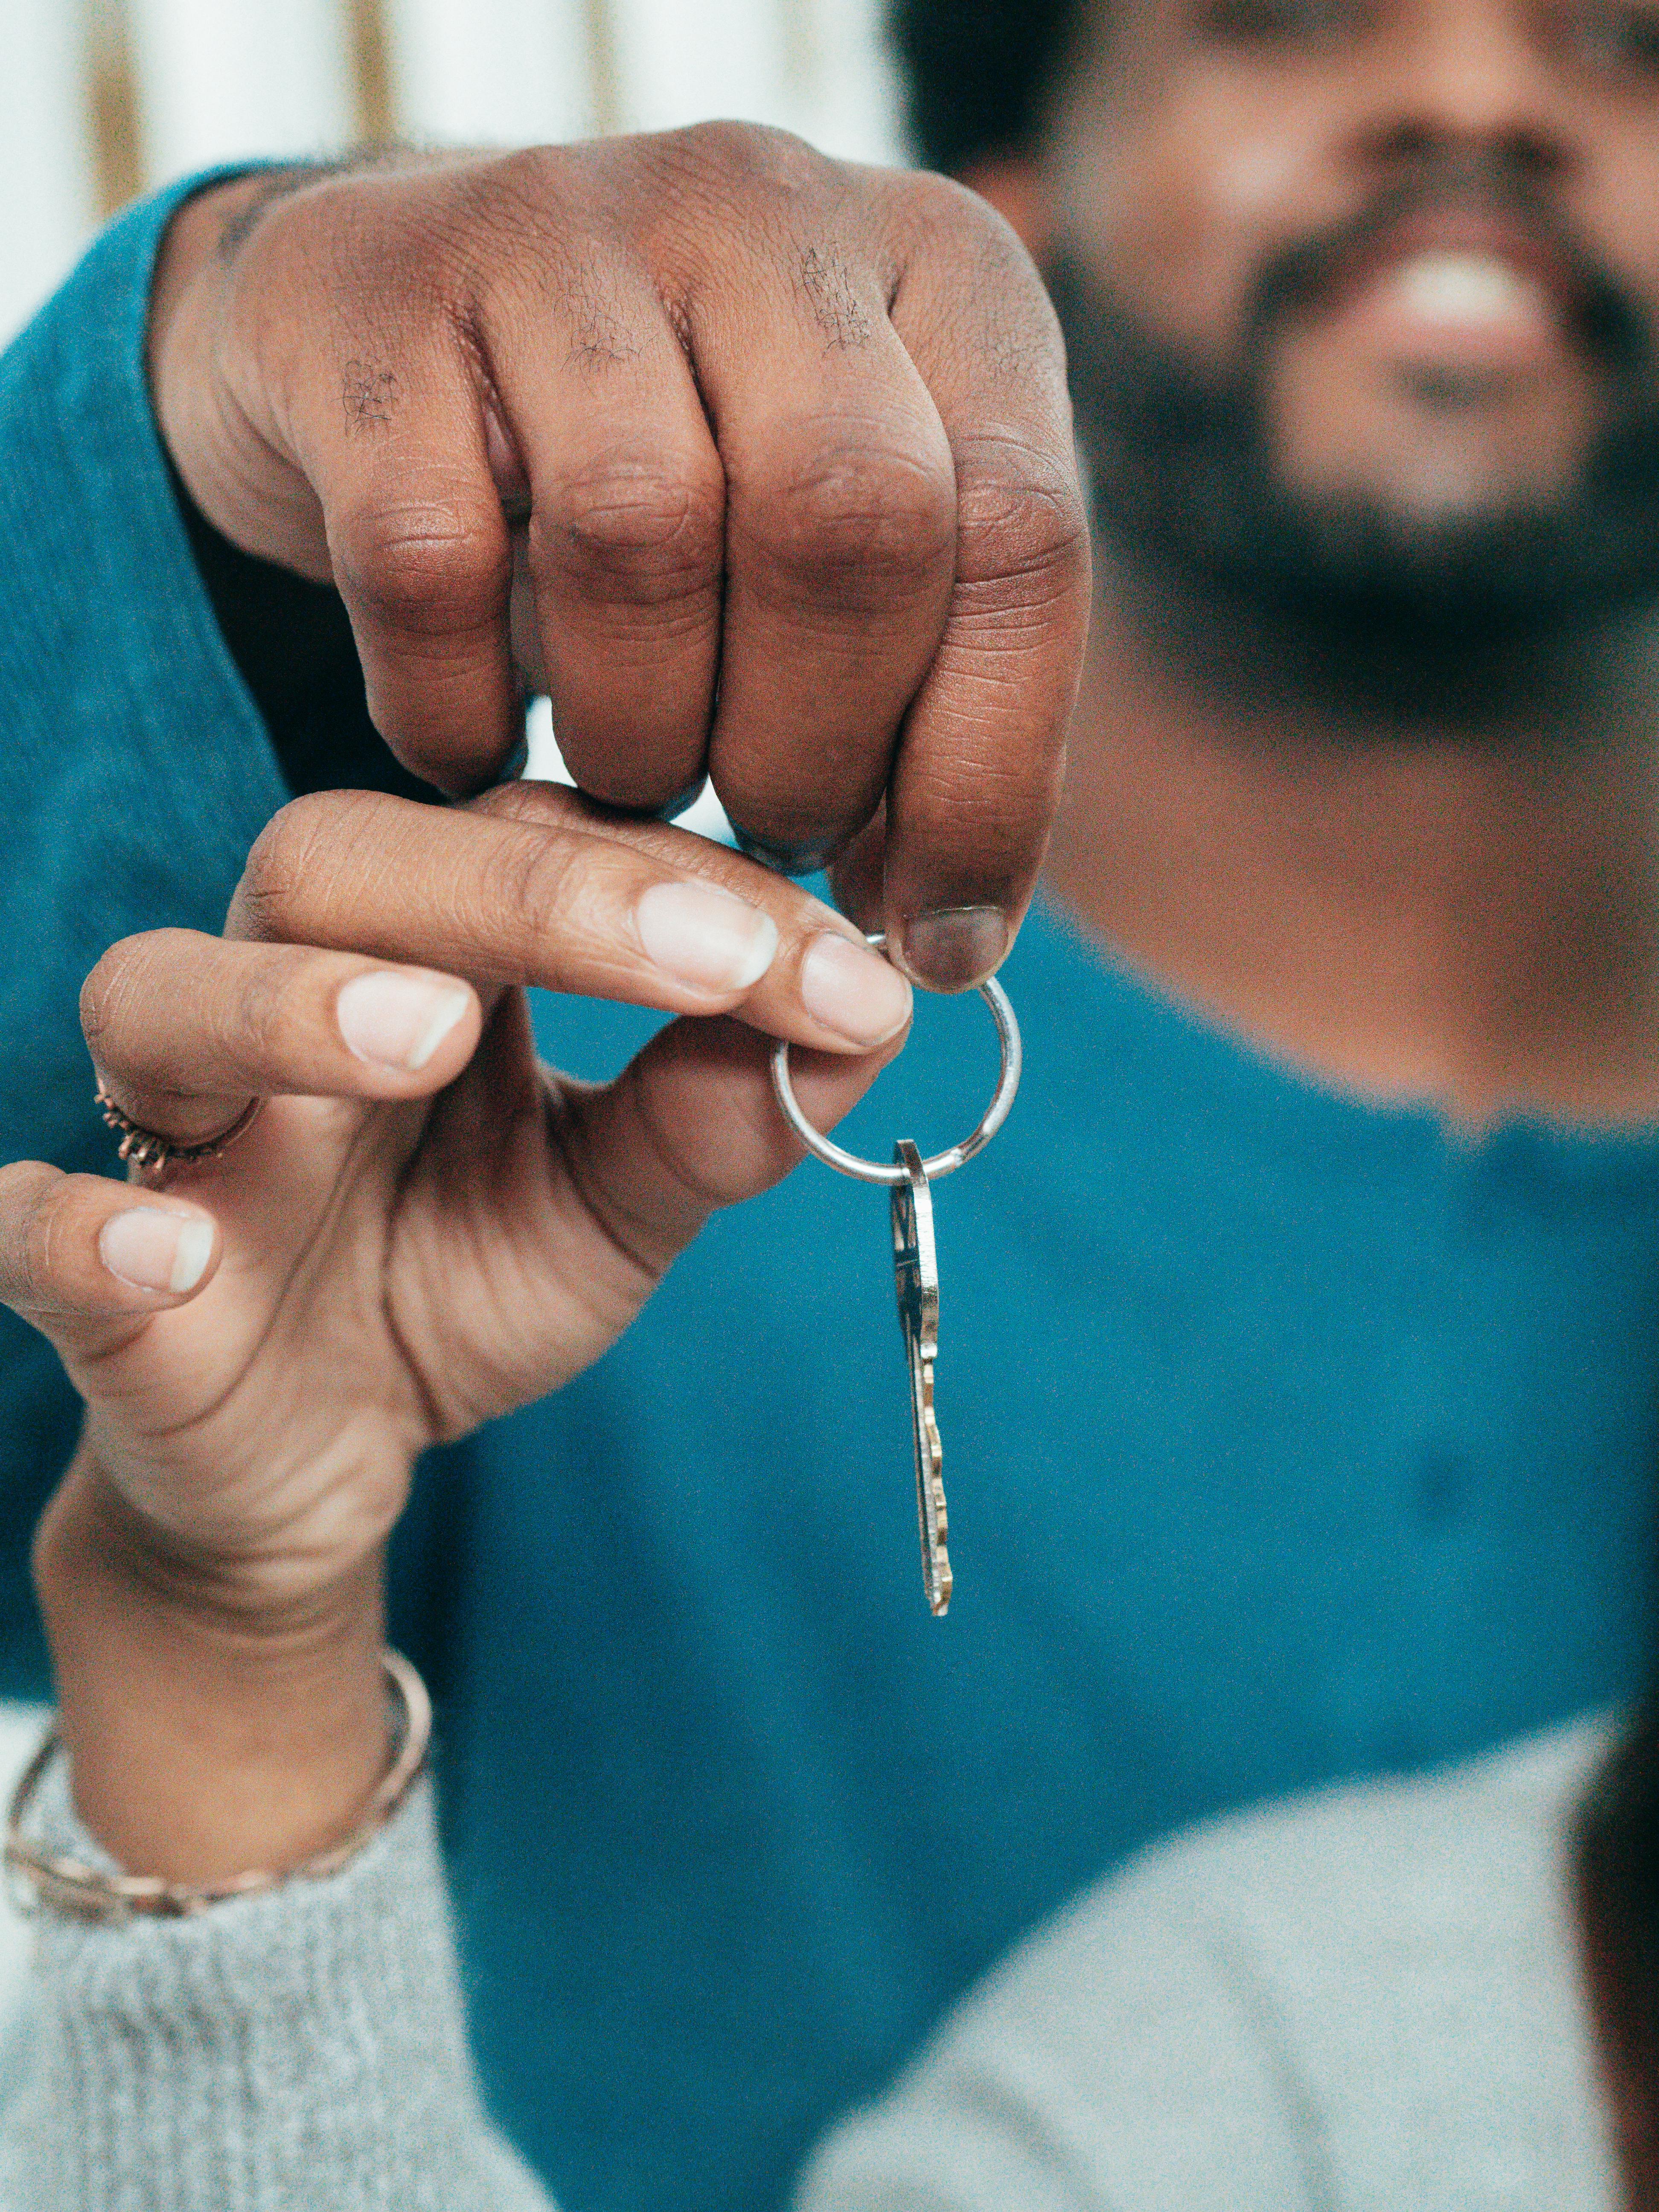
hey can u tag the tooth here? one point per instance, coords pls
(1461, 287)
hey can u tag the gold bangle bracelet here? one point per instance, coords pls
(42, 1879)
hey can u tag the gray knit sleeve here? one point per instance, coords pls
(1115, 2066)
(304, 2049)
(1368, 1997)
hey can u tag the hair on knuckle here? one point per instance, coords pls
(835, 300)
(370, 396)
(603, 325)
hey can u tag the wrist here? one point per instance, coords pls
(208, 1734)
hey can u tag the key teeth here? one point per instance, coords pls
(938, 1560)
(938, 1575)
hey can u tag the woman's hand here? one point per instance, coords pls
(420, 1230)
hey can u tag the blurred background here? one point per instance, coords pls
(101, 100)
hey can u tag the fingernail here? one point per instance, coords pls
(398, 1021)
(784, 859)
(703, 936)
(853, 990)
(150, 1250)
(955, 946)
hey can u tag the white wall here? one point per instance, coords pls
(217, 80)
(490, 72)
(47, 194)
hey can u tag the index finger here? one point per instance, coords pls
(977, 776)
(534, 885)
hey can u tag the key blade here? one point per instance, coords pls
(930, 1491)
(915, 1273)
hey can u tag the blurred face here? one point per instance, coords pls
(1362, 293)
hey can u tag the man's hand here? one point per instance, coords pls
(760, 464)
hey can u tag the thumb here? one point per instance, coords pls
(692, 1125)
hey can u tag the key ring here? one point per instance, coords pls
(942, 1163)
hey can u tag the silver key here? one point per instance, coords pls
(915, 1266)
(915, 1270)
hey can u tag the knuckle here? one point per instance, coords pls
(749, 154)
(507, 207)
(28, 1192)
(292, 859)
(947, 222)
(856, 520)
(645, 531)
(123, 980)
(1022, 517)
(939, 211)
(101, 996)
(525, 890)
(545, 805)
(277, 865)
(508, 802)
(431, 569)
(944, 199)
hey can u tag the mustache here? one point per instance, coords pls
(1607, 319)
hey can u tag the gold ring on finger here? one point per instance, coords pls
(153, 1154)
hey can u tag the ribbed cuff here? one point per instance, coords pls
(302, 2048)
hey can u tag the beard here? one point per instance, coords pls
(1187, 483)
